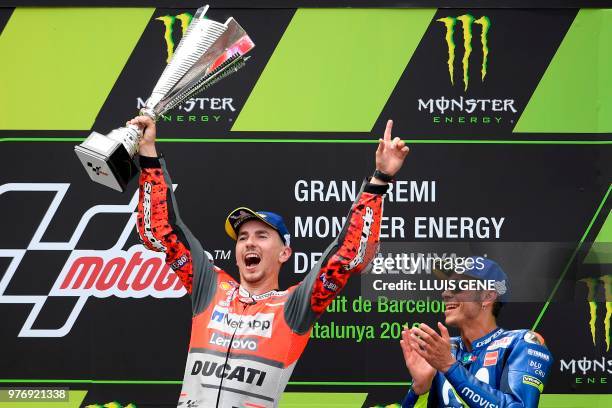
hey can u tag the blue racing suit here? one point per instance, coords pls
(504, 369)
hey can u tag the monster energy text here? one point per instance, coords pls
(589, 370)
(466, 110)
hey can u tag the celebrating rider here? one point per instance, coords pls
(247, 336)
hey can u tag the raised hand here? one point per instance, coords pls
(147, 141)
(421, 371)
(391, 153)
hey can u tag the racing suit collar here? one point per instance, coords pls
(245, 297)
(483, 341)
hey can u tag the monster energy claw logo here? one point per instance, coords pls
(467, 21)
(592, 285)
(169, 22)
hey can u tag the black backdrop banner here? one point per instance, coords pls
(536, 4)
(510, 156)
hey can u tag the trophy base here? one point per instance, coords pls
(106, 161)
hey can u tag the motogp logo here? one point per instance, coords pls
(101, 273)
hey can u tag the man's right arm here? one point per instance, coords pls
(160, 226)
(161, 229)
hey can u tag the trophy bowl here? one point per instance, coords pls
(208, 52)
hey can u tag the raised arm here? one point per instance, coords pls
(355, 246)
(160, 226)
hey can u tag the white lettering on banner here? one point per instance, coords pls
(400, 191)
(330, 227)
(134, 273)
(201, 103)
(586, 365)
(444, 104)
(259, 324)
(303, 263)
(458, 227)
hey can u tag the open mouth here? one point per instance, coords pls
(251, 260)
(451, 306)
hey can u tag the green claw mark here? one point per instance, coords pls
(168, 28)
(593, 319)
(607, 282)
(185, 20)
(592, 287)
(466, 24)
(485, 23)
(449, 23)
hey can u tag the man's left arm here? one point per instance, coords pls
(355, 246)
(349, 254)
(522, 379)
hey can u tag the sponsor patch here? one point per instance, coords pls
(490, 358)
(534, 382)
(468, 358)
(238, 373)
(479, 400)
(237, 343)
(538, 354)
(178, 264)
(259, 324)
(328, 283)
(500, 343)
(490, 338)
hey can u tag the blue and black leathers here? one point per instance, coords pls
(504, 369)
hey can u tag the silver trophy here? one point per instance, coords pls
(208, 52)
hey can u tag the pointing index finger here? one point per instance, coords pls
(388, 130)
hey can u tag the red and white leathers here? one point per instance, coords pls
(243, 347)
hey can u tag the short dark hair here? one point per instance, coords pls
(496, 308)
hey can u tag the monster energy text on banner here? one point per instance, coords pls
(465, 109)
